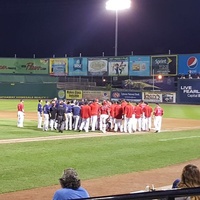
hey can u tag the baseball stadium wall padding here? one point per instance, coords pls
(28, 90)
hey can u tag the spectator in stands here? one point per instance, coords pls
(190, 178)
(71, 187)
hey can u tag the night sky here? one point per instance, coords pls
(58, 27)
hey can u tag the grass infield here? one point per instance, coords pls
(36, 164)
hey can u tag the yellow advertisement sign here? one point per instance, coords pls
(58, 66)
(74, 94)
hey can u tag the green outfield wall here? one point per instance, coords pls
(28, 90)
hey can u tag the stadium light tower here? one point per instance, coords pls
(117, 5)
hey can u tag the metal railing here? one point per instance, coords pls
(159, 194)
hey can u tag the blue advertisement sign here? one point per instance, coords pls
(189, 63)
(189, 91)
(78, 66)
(139, 66)
(129, 96)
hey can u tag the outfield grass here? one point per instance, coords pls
(36, 164)
(171, 110)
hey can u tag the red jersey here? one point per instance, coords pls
(94, 108)
(85, 111)
(128, 110)
(142, 105)
(158, 111)
(112, 110)
(104, 109)
(20, 107)
(147, 111)
(138, 111)
(123, 104)
(118, 112)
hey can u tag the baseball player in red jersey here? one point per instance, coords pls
(94, 113)
(128, 117)
(123, 104)
(85, 116)
(104, 114)
(118, 113)
(112, 116)
(147, 114)
(138, 115)
(143, 120)
(20, 114)
(158, 113)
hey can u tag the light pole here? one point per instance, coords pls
(117, 5)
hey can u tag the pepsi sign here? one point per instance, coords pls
(189, 62)
(192, 62)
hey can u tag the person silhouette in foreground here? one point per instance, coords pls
(71, 186)
(190, 178)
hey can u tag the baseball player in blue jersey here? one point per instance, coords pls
(68, 122)
(46, 109)
(39, 113)
(52, 115)
(76, 110)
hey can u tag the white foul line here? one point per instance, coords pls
(181, 138)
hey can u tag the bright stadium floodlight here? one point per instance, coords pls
(117, 5)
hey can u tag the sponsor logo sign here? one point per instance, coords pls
(189, 91)
(130, 96)
(164, 65)
(189, 63)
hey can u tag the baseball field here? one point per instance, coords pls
(31, 161)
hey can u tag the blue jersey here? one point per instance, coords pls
(39, 109)
(76, 110)
(46, 109)
(68, 108)
(67, 193)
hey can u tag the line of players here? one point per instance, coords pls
(93, 115)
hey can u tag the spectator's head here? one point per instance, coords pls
(70, 179)
(190, 177)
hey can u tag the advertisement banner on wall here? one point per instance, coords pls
(58, 66)
(165, 65)
(118, 66)
(129, 96)
(139, 66)
(97, 66)
(92, 94)
(23, 66)
(189, 91)
(74, 94)
(78, 66)
(189, 62)
(158, 97)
